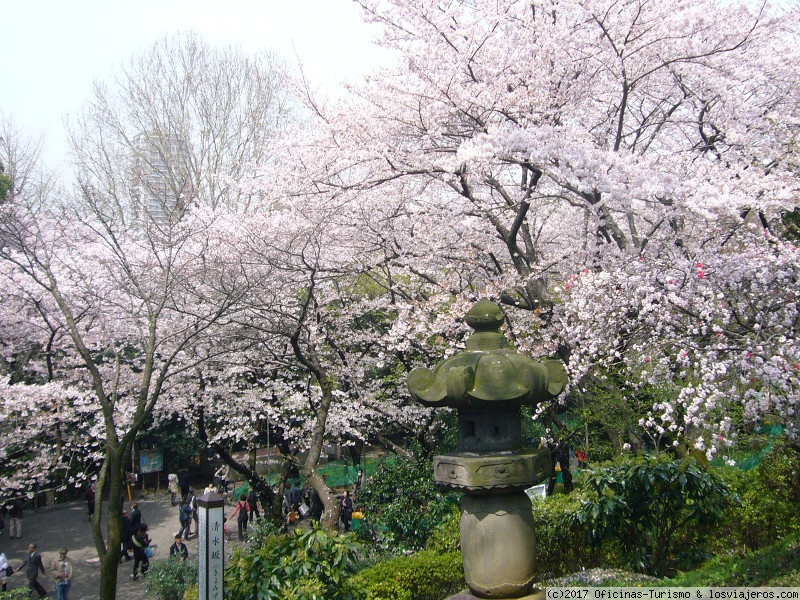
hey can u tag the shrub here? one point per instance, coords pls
(20, 593)
(561, 546)
(403, 504)
(446, 536)
(661, 511)
(776, 565)
(170, 578)
(770, 495)
(303, 565)
(426, 575)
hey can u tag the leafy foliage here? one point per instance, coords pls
(775, 565)
(171, 578)
(171, 434)
(769, 496)
(426, 575)
(304, 565)
(403, 503)
(5, 184)
(654, 508)
(561, 546)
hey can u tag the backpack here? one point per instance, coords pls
(243, 508)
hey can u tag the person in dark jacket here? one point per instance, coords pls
(32, 565)
(179, 549)
(136, 516)
(89, 498)
(127, 534)
(140, 542)
(185, 518)
(347, 510)
(317, 506)
(252, 500)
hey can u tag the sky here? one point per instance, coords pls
(52, 50)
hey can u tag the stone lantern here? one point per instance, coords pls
(487, 384)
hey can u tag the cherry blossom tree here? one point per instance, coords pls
(126, 305)
(518, 144)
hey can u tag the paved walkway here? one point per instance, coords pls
(68, 525)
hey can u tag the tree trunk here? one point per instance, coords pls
(111, 479)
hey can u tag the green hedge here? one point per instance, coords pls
(776, 565)
(426, 575)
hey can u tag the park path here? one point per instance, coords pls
(68, 525)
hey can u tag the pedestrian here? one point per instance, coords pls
(192, 500)
(136, 517)
(179, 550)
(317, 507)
(140, 541)
(361, 480)
(172, 486)
(15, 514)
(221, 479)
(32, 565)
(347, 510)
(185, 518)
(89, 498)
(4, 571)
(559, 457)
(127, 534)
(183, 481)
(242, 509)
(252, 500)
(62, 570)
(295, 494)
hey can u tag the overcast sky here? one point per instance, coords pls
(53, 49)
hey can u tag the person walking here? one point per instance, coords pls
(252, 500)
(242, 509)
(127, 534)
(15, 515)
(183, 481)
(4, 571)
(140, 542)
(62, 570)
(317, 507)
(185, 518)
(172, 486)
(136, 516)
(89, 497)
(192, 502)
(32, 565)
(221, 479)
(347, 510)
(179, 550)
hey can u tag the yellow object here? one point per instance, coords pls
(358, 515)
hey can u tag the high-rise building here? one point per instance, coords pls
(161, 181)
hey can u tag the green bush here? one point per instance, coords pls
(403, 504)
(662, 512)
(561, 546)
(20, 593)
(769, 496)
(446, 536)
(776, 565)
(304, 565)
(426, 575)
(170, 578)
